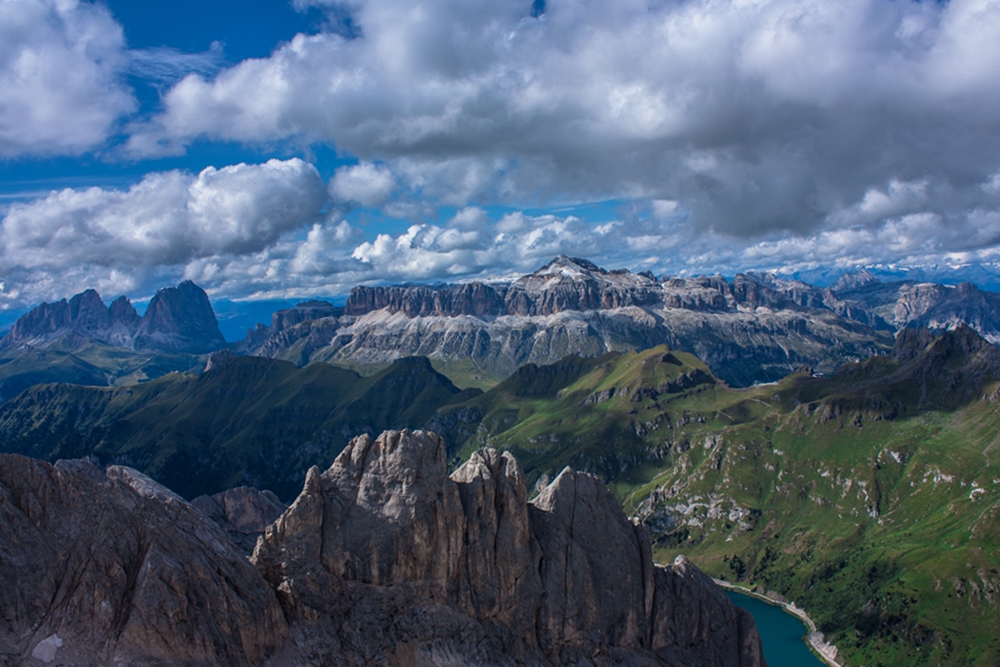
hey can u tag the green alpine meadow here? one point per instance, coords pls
(868, 497)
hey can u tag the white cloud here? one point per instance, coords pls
(166, 220)
(165, 65)
(469, 218)
(517, 243)
(756, 116)
(366, 183)
(61, 87)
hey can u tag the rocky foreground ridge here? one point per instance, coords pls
(752, 328)
(384, 559)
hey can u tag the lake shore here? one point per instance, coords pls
(816, 641)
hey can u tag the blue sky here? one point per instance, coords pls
(275, 150)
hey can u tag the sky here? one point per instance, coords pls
(288, 149)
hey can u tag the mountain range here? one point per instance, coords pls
(83, 341)
(867, 493)
(753, 328)
(178, 319)
(750, 329)
(869, 496)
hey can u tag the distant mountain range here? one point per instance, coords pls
(82, 341)
(178, 319)
(754, 328)
(751, 329)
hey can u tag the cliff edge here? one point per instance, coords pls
(383, 560)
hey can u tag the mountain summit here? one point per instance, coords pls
(384, 559)
(178, 319)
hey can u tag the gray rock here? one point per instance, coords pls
(243, 513)
(112, 568)
(384, 559)
(754, 328)
(178, 319)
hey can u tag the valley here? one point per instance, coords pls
(837, 447)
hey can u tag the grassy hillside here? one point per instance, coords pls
(870, 497)
(93, 364)
(252, 421)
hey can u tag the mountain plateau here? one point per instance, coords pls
(751, 329)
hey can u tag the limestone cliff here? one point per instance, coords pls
(108, 567)
(383, 560)
(386, 559)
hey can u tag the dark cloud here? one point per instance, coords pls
(758, 117)
(785, 134)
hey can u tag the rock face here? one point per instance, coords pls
(111, 568)
(382, 560)
(752, 328)
(243, 512)
(178, 319)
(745, 329)
(385, 559)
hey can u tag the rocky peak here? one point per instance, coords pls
(313, 309)
(84, 315)
(38, 325)
(853, 280)
(571, 267)
(122, 312)
(960, 343)
(180, 319)
(88, 313)
(569, 283)
(566, 579)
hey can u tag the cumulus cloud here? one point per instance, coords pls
(741, 133)
(756, 117)
(61, 66)
(472, 246)
(166, 220)
(367, 184)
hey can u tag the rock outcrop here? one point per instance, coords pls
(178, 319)
(108, 567)
(750, 328)
(385, 559)
(243, 512)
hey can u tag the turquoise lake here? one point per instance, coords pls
(782, 634)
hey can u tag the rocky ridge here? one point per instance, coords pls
(753, 328)
(178, 319)
(386, 559)
(383, 559)
(112, 568)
